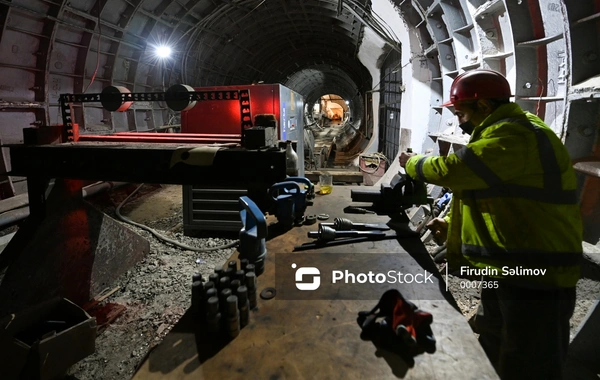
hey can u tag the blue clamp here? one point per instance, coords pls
(290, 202)
(309, 188)
(253, 235)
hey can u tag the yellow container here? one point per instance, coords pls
(326, 183)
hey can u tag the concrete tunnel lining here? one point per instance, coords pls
(530, 42)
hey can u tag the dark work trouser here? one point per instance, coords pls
(525, 332)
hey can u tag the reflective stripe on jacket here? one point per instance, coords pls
(514, 199)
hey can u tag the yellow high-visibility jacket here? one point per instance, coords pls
(514, 201)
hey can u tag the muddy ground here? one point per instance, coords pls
(156, 292)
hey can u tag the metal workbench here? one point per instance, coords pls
(168, 163)
(320, 338)
(68, 248)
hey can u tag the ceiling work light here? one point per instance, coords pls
(163, 51)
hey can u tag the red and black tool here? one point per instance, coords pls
(398, 323)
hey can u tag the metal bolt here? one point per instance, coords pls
(527, 85)
(229, 272)
(251, 280)
(235, 284)
(212, 292)
(242, 294)
(213, 305)
(224, 282)
(232, 305)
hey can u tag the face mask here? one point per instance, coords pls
(467, 127)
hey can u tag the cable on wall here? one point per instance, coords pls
(97, 51)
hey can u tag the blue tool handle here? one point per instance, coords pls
(303, 180)
(286, 186)
(252, 216)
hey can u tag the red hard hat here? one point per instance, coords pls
(478, 84)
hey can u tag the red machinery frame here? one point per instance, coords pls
(71, 129)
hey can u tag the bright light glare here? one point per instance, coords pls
(347, 102)
(163, 51)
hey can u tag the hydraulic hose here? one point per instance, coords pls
(162, 237)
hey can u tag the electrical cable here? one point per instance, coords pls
(540, 95)
(253, 9)
(385, 26)
(161, 237)
(368, 19)
(204, 24)
(97, 52)
(378, 156)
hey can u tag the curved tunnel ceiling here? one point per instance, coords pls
(215, 43)
(320, 80)
(251, 41)
(51, 47)
(304, 45)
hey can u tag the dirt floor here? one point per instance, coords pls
(156, 292)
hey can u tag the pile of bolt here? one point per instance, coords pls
(225, 300)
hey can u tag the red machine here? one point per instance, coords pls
(218, 117)
(209, 208)
(177, 97)
(211, 115)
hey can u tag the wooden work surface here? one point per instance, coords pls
(321, 338)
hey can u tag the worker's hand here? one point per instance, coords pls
(404, 156)
(439, 229)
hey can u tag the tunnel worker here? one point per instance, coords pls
(515, 220)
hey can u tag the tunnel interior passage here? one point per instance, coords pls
(383, 56)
